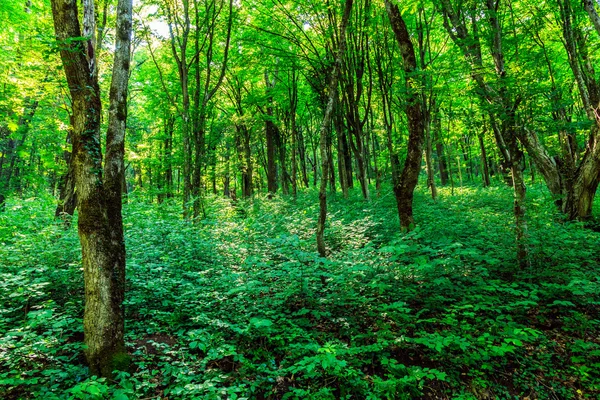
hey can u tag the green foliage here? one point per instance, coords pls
(239, 305)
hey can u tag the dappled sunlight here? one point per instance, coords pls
(241, 299)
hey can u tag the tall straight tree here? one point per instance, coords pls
(325, 125)
(356, 96)
(207, 83)
(98, 187)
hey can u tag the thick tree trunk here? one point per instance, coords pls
(98, 190)
(578, 204)
(67, 198)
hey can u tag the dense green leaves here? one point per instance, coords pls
(240, 306)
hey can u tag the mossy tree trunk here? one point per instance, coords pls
(405, 186)
(573, 184)
(98, 189)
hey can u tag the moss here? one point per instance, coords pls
(121, 361)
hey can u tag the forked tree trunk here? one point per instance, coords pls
(98, 190)
(404, 189)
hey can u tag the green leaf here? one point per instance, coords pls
(261, 322)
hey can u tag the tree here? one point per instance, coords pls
(407, 181)
(335, 74)
(571, 177)
(500, 98)
(98, 186)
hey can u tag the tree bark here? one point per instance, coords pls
(325, 125)
(404, 188)
(503, 118)
(439, 151)
(98, 190)
(485, 173)
(272, 139)
(429, 161)
(67, 200)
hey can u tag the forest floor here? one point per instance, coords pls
(240, 305)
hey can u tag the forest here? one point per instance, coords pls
(299, 199)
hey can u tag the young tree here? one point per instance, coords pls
(325, 125)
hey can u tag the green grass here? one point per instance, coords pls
(240, 305)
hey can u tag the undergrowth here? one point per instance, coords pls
(239, 305)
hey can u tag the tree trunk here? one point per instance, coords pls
(340, 135)
(168, 156)
(10, 154)
(245, 159)
(404, 189)
(439, 150)
(98, 190)
(429, 162)
(485, 173)
(325, 125)
(284, 175)
(67, 199)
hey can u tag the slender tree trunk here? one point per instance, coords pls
(302, 156)
(429, 161)
(342, 149)
(245, 160)
(325, 125)
(168, 156)
(284, 176)
(439, 150)
(331, 168)
(376, 168)
(10, 172)
(294, 155)
(485, 174)
(519, 203)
